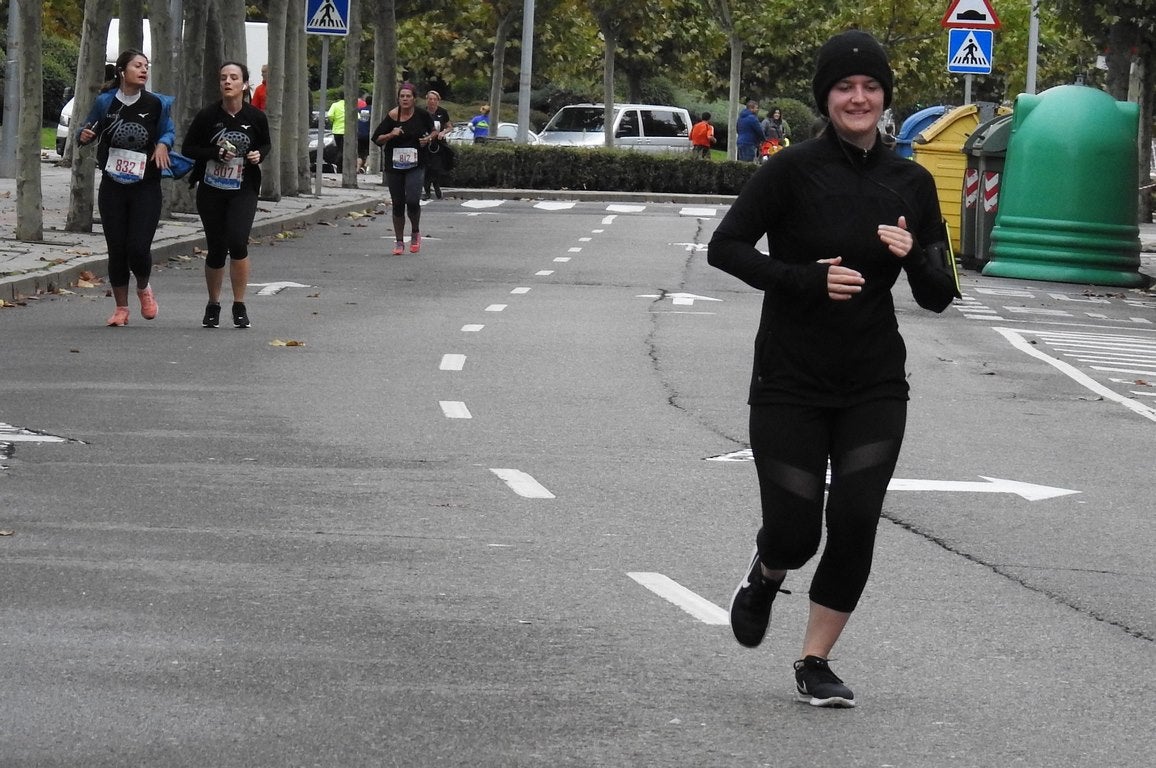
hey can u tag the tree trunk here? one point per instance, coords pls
(498, 70)
(608, 84)
(733, 100)
(89, 76)
(130, 30)
(384, 70)
(190, 96)
(351, 85)
(297, 117)
(29, 197)
(274, 174)
(234, 46)
(163, 64)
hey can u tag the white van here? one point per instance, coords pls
(646, 127)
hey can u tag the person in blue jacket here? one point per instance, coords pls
(749, 133)
(133, 129)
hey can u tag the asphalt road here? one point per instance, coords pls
(476, 516)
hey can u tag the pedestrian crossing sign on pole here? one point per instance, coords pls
(969, 51)
(327, 17)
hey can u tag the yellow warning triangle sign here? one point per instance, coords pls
(970, 14)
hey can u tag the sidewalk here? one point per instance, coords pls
(27, 269)
(55, 262)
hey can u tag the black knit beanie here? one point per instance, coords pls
(851, 53)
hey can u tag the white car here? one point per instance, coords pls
(644, 127)
(62, 127)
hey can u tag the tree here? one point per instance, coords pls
(29, 214)
(352, 90)
(279, 171)
(89, 74)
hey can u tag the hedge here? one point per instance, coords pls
(506, 165)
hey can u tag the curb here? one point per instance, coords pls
(52, 279)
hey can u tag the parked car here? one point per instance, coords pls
(645, 127)
(461, 134)
(331, 161)
(62, 126)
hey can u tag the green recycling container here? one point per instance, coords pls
(1068, 200)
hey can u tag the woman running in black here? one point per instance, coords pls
(229, 140)
(843, 217)
(134, 133)
(403, 133)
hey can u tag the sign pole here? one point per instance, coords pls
(967, 88)
(321, 110)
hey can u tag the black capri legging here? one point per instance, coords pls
(129, 214)
(791, 446)
(405, 192)
(227, 217)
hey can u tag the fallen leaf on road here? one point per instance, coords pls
(289, 343)
(1141, 383)
(86, 284)
(79, 251)
(7, 533)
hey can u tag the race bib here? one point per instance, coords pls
(125, 165)
(225, 175)
(404, 158)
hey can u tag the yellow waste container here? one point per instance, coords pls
(939, 149)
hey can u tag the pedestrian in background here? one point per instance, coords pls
(438, 149)
(480, 124)
(228, 140)
(749, 133)
(260, 93)
(134, 133)
(843, 216)
(403, 134)
(702, 137)
(363, 132)
(336, 117)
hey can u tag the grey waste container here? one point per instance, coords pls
(986, 149)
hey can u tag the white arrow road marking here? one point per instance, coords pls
(610, 219)
(556, 205)
(523, 484)
(272, 289)
(669, 589)
(455, 409)
(683, 299)
(11, 434)
(1029, 491)
(453, 362)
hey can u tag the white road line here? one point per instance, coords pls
(1015, 338)
(455, 409)
(556, 205)
(574, 250)
(522, 484)
(496, 307)
(453, 362)
(668, 589)
(622, 208)
(610, 219)
(699, 212)
(472, 327)
(482, 203)
(585, 239)
(597, 231)
(520, 291)
(562, 259)
(544, 273)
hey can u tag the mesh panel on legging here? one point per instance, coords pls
(791, 445)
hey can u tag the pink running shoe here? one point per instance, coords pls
(415, 242)
(148, 305)
(119, 317)
(398, 248)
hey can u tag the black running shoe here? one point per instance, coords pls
(751, 604)
(240, 315)
(212, 315)
(818, 686)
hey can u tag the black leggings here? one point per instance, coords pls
(405, 194)
(791, 446)
(227, 217)
(129, 214)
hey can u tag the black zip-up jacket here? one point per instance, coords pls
(820, 199)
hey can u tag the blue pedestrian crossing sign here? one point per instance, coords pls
(969, 51)
(327, 17)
